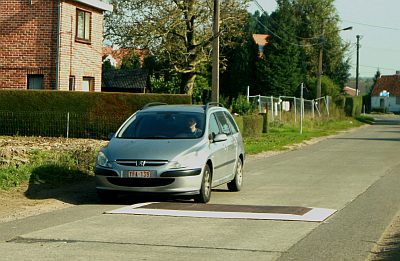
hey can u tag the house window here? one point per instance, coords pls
(35, 81)
(71, 83)
(83, 20)
(88, 84)
(398, 99)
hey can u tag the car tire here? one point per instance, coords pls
(205, 190)
(237, 182)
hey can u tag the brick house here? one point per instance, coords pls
(48, 44)
(386, 93)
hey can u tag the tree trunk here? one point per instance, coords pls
(187, 83)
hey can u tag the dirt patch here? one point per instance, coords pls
(15, 204)
(388, 247)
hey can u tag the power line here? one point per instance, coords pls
(317, 37)
(284, 40)
(370, 25)
(279, 37)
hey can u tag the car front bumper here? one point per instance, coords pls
(183, 182)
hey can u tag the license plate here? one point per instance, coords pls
(139, 174)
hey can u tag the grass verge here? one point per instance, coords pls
(52, 168)
(47, 169)
(282, 135)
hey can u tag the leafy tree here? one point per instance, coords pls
(107, 66)
(130, 62)
(178, 32)
(318, 29)
(375, 79)
(328, 88)
(240, 66)
(280, 70)
(342, 74)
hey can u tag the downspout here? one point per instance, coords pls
(58, 46)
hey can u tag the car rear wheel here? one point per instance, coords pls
(205, 190)
(237, 182)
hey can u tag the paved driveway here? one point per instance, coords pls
(356, 173)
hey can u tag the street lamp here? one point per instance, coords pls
(320, 61)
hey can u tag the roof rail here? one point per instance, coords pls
(209, 104)
(151, 104)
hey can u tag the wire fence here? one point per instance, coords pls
(286, 108)
(90, 125)
(58, 124)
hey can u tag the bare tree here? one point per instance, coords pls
(176, 31)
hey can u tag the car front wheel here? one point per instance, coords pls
(237, 182)
(205, 190)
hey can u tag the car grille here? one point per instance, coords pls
(141, 163)
(140, 182)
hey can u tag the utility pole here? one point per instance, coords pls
(215, 54)
(321, 50)
(319, 72)
(357, 65)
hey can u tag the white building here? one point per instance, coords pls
(386, 93)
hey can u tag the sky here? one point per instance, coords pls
(378, 24)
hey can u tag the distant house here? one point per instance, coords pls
(134, 81)
(261, 41)
(350, 91)
(386, 93)
(116, 56)
(47, 44)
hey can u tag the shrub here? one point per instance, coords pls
(241, 106)
(252, 125)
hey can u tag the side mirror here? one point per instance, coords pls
(220, 137)
(110, 135)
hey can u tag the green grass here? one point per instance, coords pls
(49, 169)
(282, 135)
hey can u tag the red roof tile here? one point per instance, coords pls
(260, 39)
(120, 53)
(390, 83)
(350, 91)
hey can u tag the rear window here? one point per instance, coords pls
(163, 125)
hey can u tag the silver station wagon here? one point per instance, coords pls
(173, 149)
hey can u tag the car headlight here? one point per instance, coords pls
(102, 160)
(188, 161)
(175, 165)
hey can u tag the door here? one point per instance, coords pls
(217, 150)
(88, 84)
(230, 146)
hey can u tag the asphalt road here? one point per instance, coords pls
(356, 173)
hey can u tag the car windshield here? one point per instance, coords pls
(164, 125)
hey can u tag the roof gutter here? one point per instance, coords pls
(97, 4)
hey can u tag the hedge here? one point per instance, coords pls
(90, 115)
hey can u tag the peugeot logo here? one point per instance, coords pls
(140, 163)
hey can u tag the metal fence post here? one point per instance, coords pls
(295, 109)
(327, 104)
(67, 125)
(272, 108)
